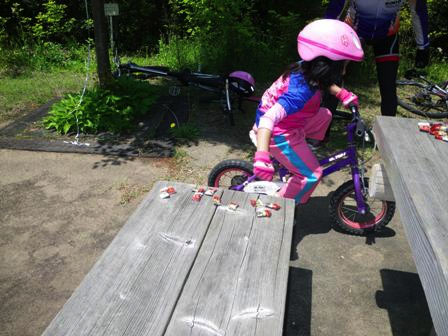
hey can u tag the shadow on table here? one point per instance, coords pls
(298, 303)
(405, 301)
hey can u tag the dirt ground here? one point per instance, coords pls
(58, 213)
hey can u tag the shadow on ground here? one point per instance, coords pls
(314, 219)
(404, 299)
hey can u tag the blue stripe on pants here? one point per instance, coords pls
(282, 143)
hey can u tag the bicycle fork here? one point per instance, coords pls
(348, 157)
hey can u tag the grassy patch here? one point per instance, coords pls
(186, 133)
(20, 95)
(130, 192)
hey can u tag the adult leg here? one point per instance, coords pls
(292, 151)
(386, 58)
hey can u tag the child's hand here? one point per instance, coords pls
(347, 98)
(263, 167)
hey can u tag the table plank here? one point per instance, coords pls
(237, 285)
(417, 166)
(134, 286)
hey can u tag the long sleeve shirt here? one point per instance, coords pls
(287, 104)
(376, 19)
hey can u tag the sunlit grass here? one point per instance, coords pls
(20, 95)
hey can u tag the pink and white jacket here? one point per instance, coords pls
(287, 104)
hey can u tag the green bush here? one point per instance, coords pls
(116, 109)
(42, 57)
(185, 133)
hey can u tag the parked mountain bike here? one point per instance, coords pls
(351, 208)
(237, 86)
(422, 96)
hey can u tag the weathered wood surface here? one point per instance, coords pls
(230, 268)
(134, 286)
(238, 283)
(417, 166)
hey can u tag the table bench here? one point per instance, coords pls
(417, 167)
(181, 267)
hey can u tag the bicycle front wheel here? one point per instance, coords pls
(345, 215)
(230, 173)
(416, 98)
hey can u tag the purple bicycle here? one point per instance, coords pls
(351, 208)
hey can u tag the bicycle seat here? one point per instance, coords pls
(243, 86)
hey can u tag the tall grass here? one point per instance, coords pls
(31, 75)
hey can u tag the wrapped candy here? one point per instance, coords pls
(210, 191)
(170, 190)
(167, 192)
(198, 193)
(273, 206)
(424, 126)
(256, 203)
(263, 212)
(217, 200)
(232, 206)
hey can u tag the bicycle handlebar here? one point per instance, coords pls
(360, 126)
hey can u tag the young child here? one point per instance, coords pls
(290, 111)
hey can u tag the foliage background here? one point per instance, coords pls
(219, 35)
(44, 44)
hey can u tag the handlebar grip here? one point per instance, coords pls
(360, 128)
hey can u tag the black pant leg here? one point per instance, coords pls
(386, 57)
(387, 76)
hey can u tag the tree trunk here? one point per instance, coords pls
(101, 49)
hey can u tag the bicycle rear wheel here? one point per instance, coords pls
(416, 98)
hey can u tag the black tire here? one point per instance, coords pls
(343, 203)
(429, 104)
(229, 173)
(231, 118)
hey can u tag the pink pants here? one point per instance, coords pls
(292, 151)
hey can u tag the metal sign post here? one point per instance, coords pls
(111, 9)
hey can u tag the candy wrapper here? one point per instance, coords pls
(437, 129)
(164, 194)
(210, 191)
(256, 203)
(273, 206)
(259, 204)
(170, 190)
(198, 193)
(167, 192)
(263, 212)
(424, 126)
(442, 137)
(217, 200)
(232, 206)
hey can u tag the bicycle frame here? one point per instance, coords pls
(208, 82)
(336, 162)
(434, 88)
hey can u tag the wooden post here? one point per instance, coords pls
(102, 54)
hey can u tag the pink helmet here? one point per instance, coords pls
(243, 82)
(333, 39)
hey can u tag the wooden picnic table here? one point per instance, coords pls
(182, 267)
(417, 168)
